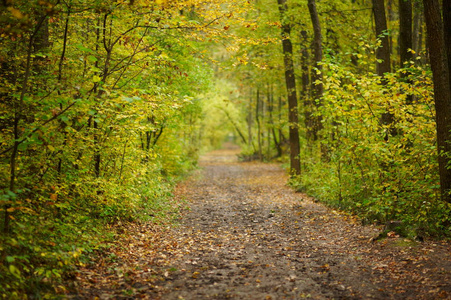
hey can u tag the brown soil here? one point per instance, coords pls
(246, 235)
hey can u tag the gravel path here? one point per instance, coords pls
(246, 235)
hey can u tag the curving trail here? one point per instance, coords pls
(246, 235)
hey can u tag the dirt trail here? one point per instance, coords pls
(248, 236)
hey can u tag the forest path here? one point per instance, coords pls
(246, 235)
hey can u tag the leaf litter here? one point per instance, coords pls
(246, 235)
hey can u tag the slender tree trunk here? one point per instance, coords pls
(318, 51)
(259, 129)
(109, 49)
(60, 79)
(97, 156)
(405, 31)
(282, 138)
(305, 83)
(317, 77)
(250, 122)
(290, 81)
(263, 124)
(417, 36)
(304, 65)
(391, 18)
(277, 143)
(383, 56)
(383, 52)
(157, 135)
(12, 179)
(405, 38)
(442, 89)
(237, 128)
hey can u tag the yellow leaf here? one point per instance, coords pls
(164, 55)
(15, 271)
(15, 12)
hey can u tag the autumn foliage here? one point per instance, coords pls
(98, 116)
(369, 140)
(104, 104)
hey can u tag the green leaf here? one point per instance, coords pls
(64, 118)
(83, 48)
(92, 58)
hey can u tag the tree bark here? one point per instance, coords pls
(317, 77)
(391, 18)
(250, 123)
(305, 78)
(405, 38)
(405, 31)
(447, 33)
(277, 143)
(290, 81)
(383, 64)
(305, 83)
(259, 125)
(442, 90)
(317, 49)
(417, 36)
(383, 52)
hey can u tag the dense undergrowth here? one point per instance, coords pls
(100, 114)
(50, 238)
(382, 171)
(368, 140)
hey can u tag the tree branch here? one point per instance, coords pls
(39, 127)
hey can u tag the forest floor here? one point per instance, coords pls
(243, 234)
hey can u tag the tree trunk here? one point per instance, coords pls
(259, 125)
(290, 81)
(277, 143)
(447, 33)
(383, 56)
(305, 82)
(97, 155)
(304, 65)
(237, 128)
(383, 52)
(391, 18)
(442, 90)
(282, 138)
(318, 50)
(317, 86)
(405, 38)
(405, 31)
(417, 35)
(250, 123)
